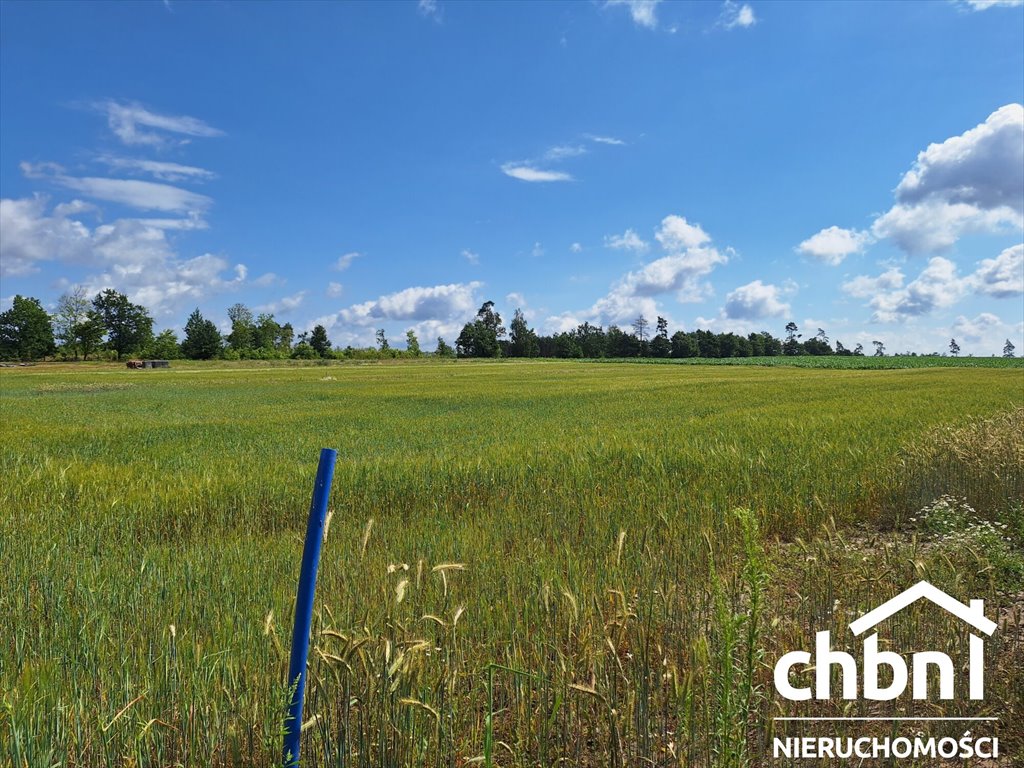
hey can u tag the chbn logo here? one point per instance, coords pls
(917, 674)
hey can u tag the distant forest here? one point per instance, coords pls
(110, 327)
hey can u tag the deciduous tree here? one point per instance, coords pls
(26, 332)
(412, 344)
(522, 337)
(129, 326)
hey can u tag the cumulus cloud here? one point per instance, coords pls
(736, 15)
(576, 248)
(28, 235)
(938, 286)
(834, 244)
(676, 233)
(516, 299)
(973, 182)
(471, 256)
(284, 305)
(527, 172)
(983, 167)
(131, 255)
(334, 290)
(970, 183)
(439, 302)
(676, 272)
(130, 121)
(864, 287)
(975, 330)
(610, 140)
(643, 12)
(1003, 276)
(562, 323)
(689, 257)
(755, 300)
(627, 241)
(935, 226)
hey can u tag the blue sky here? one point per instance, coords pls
(857, 167)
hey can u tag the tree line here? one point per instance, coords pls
(109, 326)
(487, 337)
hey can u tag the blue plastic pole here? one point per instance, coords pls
(304, 603)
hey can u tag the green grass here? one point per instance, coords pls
(610, 611)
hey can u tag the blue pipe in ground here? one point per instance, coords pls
(304, 604)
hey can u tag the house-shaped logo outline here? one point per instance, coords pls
(974, 614)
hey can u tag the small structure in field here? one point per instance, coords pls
(134, 364)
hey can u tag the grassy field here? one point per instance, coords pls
(851, 362)
(528, 564)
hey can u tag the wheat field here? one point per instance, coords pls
(527, 564)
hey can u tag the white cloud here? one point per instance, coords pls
(562, 151)
(157, 169)
(428, 331)
(562, 323)
(471, 256)
(864, 287)
(145, 195)
(975, 330)
(334, 290)
(736, 15)
(643, 12)
(984, 5)
(127, 120)
(28, 236)
(973, 182)
(158, 279)
(75, 208)
(611, 140)
(284, 305)
(515, 299)
(439, 302)
(576, 248)
(688, 259)
(345, 261)
(429, 8)
(526, 172)
(676, 233)
(983, 167)
(1003, 276)
(131, 255)
(627, 241)
(267, 279)
(834, 244)
(755, 300)
(723, 324)
(537, 251)
(938, 286)
(935, 226)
